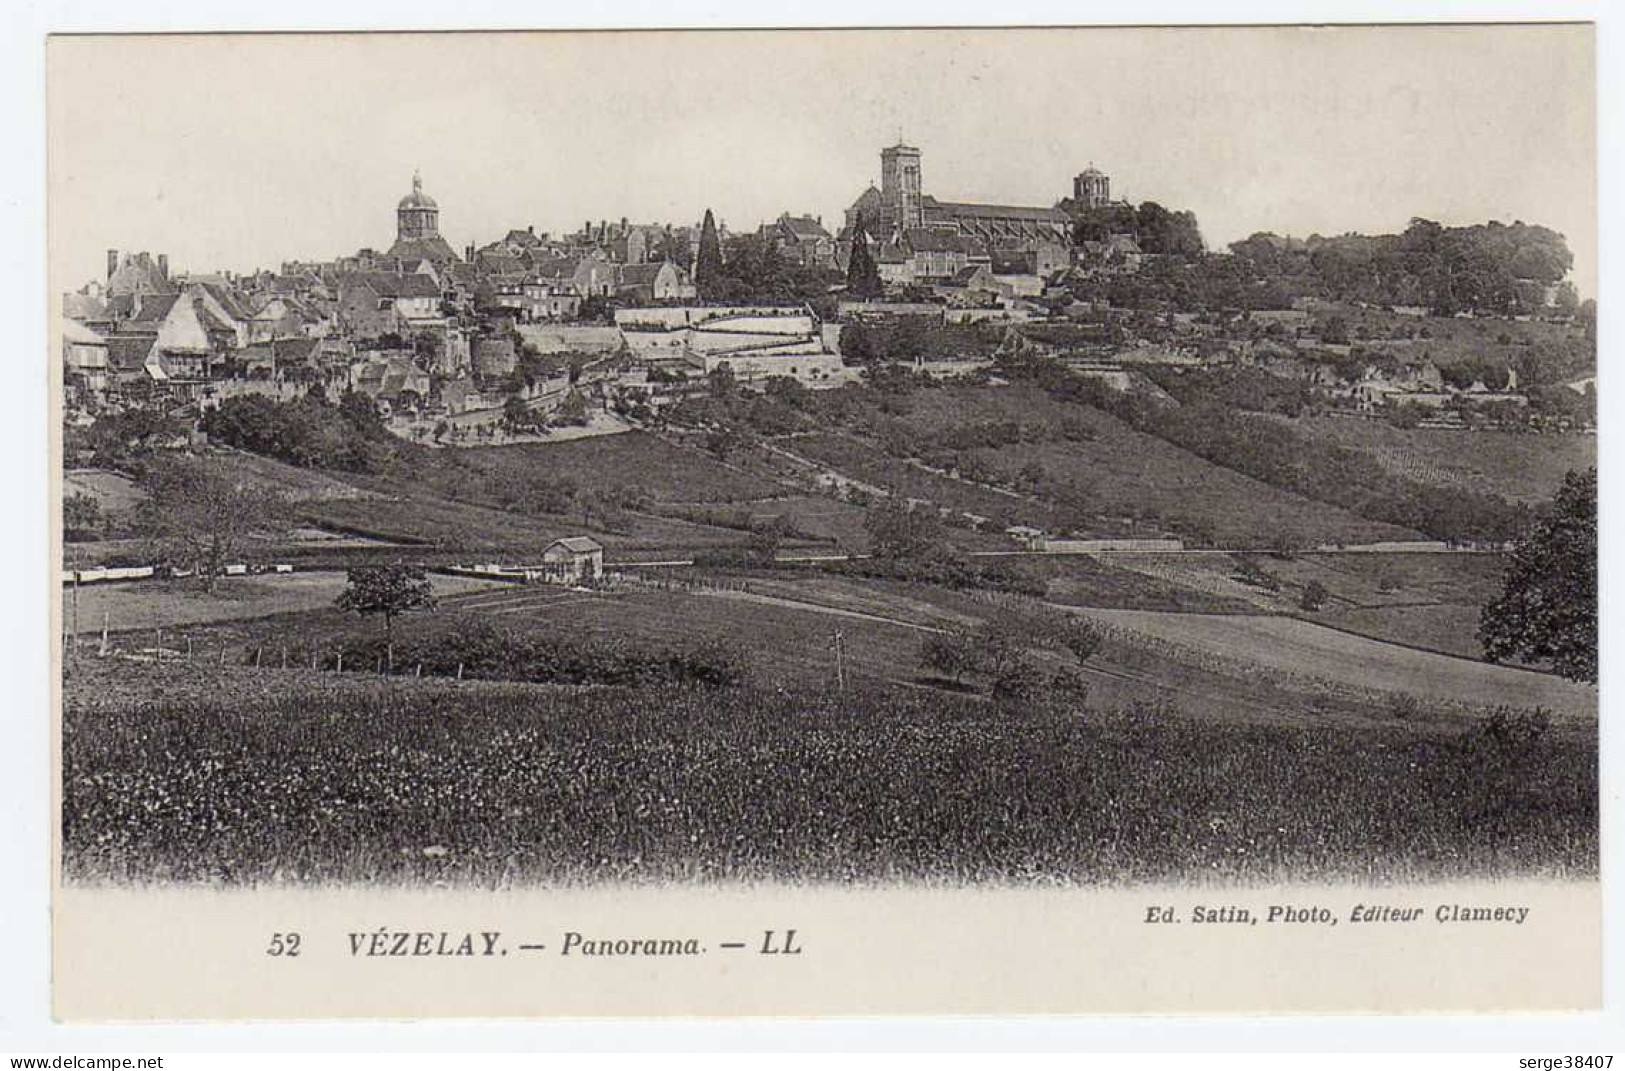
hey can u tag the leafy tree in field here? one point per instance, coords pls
(708, 263)
(388, 591)
(202, 516)
(1013, 675)
(954, 653)
(1547, 611)
(1078, 636)
(895, 531)
(862, 273)
(1314, 596)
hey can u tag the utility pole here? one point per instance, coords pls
(840, 660)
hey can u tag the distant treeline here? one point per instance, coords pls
(1490, 267)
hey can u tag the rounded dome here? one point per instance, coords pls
(417, 198)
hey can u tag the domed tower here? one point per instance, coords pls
(1091, 188)
(417, 216)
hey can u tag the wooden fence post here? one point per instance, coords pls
(257, 652)
(341, 661)
(284, 656)
(418, 672)
(459, 671)
(222, 654)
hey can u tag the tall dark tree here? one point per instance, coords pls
(862, 273)
(708, 264)
(1547, 612)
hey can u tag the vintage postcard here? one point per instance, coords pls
(861, 522)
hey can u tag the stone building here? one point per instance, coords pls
(900, 205)
(417, 228)
(1092, 188)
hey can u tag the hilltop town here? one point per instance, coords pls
(980, 526)
(536, 335)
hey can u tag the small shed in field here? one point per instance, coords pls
(573, 559)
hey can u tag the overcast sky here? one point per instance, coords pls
(241, 152)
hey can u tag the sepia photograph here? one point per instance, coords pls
(1096, 475)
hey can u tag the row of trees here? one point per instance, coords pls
(1490, 267)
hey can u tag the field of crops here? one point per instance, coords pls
(112, 492)
(1310, 650)
(1124, 473)
(1448, 627)
(785, 642)
(664, 471)
(783, 624)
(1130, 474)
(175, 605)
(302, 777)
(464, 527)
(1520, 467)
(857, 459)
